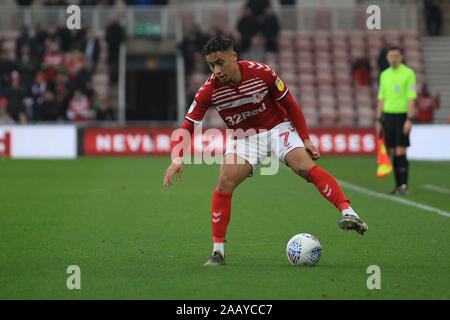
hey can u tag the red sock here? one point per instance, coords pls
(220, 215)
(328, 187)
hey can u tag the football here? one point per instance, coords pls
(303, 250)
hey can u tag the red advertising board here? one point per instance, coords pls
(5, 144)
(129, 141)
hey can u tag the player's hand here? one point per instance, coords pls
(312, 150)
(378, 129)
(171, 170)
(407, 127)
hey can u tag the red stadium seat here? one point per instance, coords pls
(327, 115)
(340, 35)
(340, 54)
(303, 35)
(410, 34)
(303, 45)
(308, 79)
(305, 67)
(339, 44)
(323, 18)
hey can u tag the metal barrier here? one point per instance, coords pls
(161, 20)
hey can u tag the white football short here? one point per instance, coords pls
(256, 148)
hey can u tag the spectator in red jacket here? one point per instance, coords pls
(75, 63)
(53, 62)
(79, 108)
(426, 103)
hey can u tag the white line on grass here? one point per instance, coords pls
(401, 200)
(435, 188)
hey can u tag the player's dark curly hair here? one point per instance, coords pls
(218, 43)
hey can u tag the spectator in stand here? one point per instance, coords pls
(27, 66)
(24, 2)
(24, 39)
(74, 64)
(91, 50)
(103, 110)
(55, 3)
(256, 52)
(64, 37)
(7, 65)
(382, 61)
(15, 95)
(248, 27)
(38, 42)
(49, 110)
(79, 109)
(433, 17)
(53, 62)
(38, 88)
(426, 103)
(270, 29)
(191, 43)
(258, 7)
(62, 90)
(78, 36)
(361, 72)
(115, 35)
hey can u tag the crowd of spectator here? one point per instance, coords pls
(48, 77)
(254, 36)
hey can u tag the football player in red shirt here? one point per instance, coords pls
(250, 96)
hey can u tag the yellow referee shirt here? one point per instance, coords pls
(397, 86)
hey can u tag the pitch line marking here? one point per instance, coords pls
(435, 188)
(401, 200)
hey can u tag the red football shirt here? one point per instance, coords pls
(249, 104)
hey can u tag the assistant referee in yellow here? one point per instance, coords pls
(395, 113)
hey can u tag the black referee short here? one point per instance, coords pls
(393, 130)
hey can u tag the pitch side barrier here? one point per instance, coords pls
(66, 141)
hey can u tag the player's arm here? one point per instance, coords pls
(297, 118)
(412, 95)
(181, 137)
(380, 106)
(280, 93)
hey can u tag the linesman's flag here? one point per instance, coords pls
(384, 164)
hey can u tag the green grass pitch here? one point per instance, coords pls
(135, 239)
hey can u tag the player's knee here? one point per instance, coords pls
(301, 169)
(225, 184)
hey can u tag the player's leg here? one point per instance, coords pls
(301, 163)
(391, 136)
(402, 170)
(233, 171)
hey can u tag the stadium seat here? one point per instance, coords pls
(287, 55)
(410, 34)
(323, 18)
(306, 88)
(303, 45)
(289, 78)
(324, 78)
(346, 115)
(305, 67)
(306, 79)
(325, 89)
(321, 44)
(327, 115)
(340, 54)
(339, 44)
(340, 35)
(303, 35)
(343, 78)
